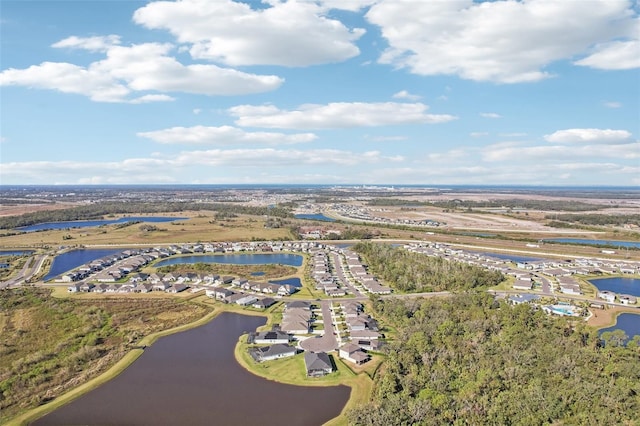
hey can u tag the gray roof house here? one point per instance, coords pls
(267, 353)
(317, 364)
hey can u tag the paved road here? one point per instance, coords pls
(328, 341)
(31, 267)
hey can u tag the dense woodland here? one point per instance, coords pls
(99, 210)
(596, 219)
(468, 359)
(407, 271)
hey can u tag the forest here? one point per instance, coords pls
(469, 359)
(596, 219)
(415, 272)
(99, 210)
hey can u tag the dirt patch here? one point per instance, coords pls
(601, 318)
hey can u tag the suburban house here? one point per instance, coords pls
(271, 337)
(267, 353)
(523, 284)
(317, 364)
(607, 295)
(264, 303)
(353, 353)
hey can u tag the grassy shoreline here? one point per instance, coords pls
(360, 383)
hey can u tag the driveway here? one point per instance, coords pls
(328, 341)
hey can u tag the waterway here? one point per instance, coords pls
(604, 243)
(317, 216)
(629, 323)
(72, 259)
(94, 223)
(618, 285)
(238, 259)
(192, 378)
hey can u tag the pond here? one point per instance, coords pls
(618, 285)
(237, 259)
(193, 378)
(604, 243)
(629, 323)
(72, 259)
(94, 223)
(317, 216)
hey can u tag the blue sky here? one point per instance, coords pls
(536, 92)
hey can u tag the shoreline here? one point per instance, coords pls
(356, 381)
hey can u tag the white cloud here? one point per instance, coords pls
(490, 115)
(292, 33)
(616, 55)
(403, 94)
(224, 135)
(197, 111)
(478, 134)
(336, 115)
(612, 104)
(518, 152)
(152, 98)
(142, 67)
(592, 136)
(92, 44)
(503, 41)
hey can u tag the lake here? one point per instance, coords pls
(72, 259)
(93, 223)
(629, 323)
(618, 285)
(237, 259)
(192, 378)
(611, 243)
(317, 216)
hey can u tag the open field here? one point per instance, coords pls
(200, 227)
(602, 318)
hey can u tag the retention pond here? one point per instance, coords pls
(192, 378)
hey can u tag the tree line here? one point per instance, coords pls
(470, 359)
(99, 210)
(415, 272)
(596, 219)
(544, 205)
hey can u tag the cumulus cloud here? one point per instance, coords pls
(289, 33)
(403, 94)
(224, 135)
(336, 115)
(490, 115)
(591, 136)
(616, 55)
(504, 41)
(136, 68)
(198, 163)
(92, 44)
(478, 134)
(516, 152)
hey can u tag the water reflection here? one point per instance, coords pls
(193, 378)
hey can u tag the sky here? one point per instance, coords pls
(386, 92)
